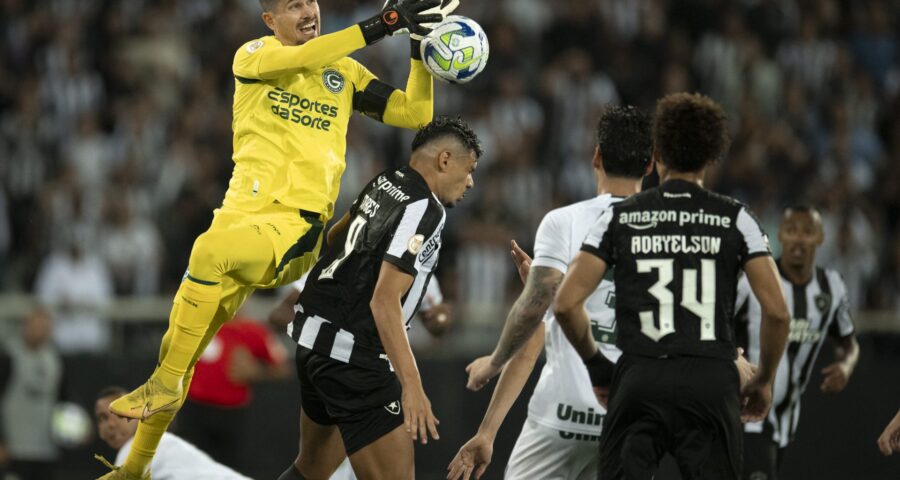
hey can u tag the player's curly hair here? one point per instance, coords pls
(443, 126)
(623, 134)
(690, 131)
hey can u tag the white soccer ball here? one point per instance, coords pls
(456, 50)
(70, 425)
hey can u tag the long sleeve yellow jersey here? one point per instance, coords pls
(291, 109)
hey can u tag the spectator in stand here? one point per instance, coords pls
(76, 285)
(215, 415)
(31, 376)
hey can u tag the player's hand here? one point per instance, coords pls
(473, 457)
(418, 419)
(243, 369)
(437, 319)
(836, 377)
(889, 441)
(411, 16)
(756, 399)
(602, 394)
(481, 371)
(746, 370)
(446, 8)
(522, 260)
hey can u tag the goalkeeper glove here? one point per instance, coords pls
(398, 15)
(600, 369)
(415, 40)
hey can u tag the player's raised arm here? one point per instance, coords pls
(775, 323)
(266, 59)
(387, 311)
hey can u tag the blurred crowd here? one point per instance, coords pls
(115, 133)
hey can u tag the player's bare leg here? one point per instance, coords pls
(321, 451)
(391, 457)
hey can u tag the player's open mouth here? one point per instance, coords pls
(308, 29)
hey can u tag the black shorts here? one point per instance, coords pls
(762, 457)
(364, 404)
(686, 406)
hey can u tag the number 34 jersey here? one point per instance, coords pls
(396, 219)
(677, 251)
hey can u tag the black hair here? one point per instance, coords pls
(268, 5)
(443, 126)
(112, 390)
(623, 135)
(690, 131)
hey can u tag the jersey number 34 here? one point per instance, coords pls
(704, 308)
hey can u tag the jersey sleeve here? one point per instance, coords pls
(416, 223)
(414, 107)
(266, 58)
(842, 326)
(741, 313)
(754, 242)
(433, 295)
(599, 240)
(551, 245)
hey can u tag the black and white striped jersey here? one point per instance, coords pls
(677, 251)
(395, 219)
(819, 309)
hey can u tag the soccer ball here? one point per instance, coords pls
(456, 50)
(70, 425)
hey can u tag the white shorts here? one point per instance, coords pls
(542, 452)
(344, 472)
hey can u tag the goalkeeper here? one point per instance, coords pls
(294, 93)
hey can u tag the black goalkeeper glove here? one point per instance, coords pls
(600, 369)
(398, 15)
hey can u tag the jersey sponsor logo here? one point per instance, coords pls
(255, 46)
(676, 195)
(567, 413)
(803, 332)
(578, 436)
(689, 244)
(393, 191)
(333, 81)
(415, 244)
(393, 408)
(823, 300)
(431, 248)
(642, 220)
(301, 110)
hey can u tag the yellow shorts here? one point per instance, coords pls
(295, 235)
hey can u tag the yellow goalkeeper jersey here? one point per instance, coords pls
(291, 109)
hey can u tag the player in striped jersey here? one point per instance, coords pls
(817, 299)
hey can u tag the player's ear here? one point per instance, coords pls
(650, 165)
(268, 20)
(444, 158)
(597, 160)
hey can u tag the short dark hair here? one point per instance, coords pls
(443, 126)
(690, 131)
(802, 208)
(623, 135)
(112, 390)
(268, 5)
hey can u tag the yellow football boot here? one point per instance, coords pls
(147, 400)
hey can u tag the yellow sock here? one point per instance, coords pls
(150, 432)
(194, 316)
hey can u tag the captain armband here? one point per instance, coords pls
(373, 101)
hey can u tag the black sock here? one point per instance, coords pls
(291, 474)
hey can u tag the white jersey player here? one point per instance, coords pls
(559, 438)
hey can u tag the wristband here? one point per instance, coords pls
(600, 369)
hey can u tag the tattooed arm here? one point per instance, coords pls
(523, 319)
